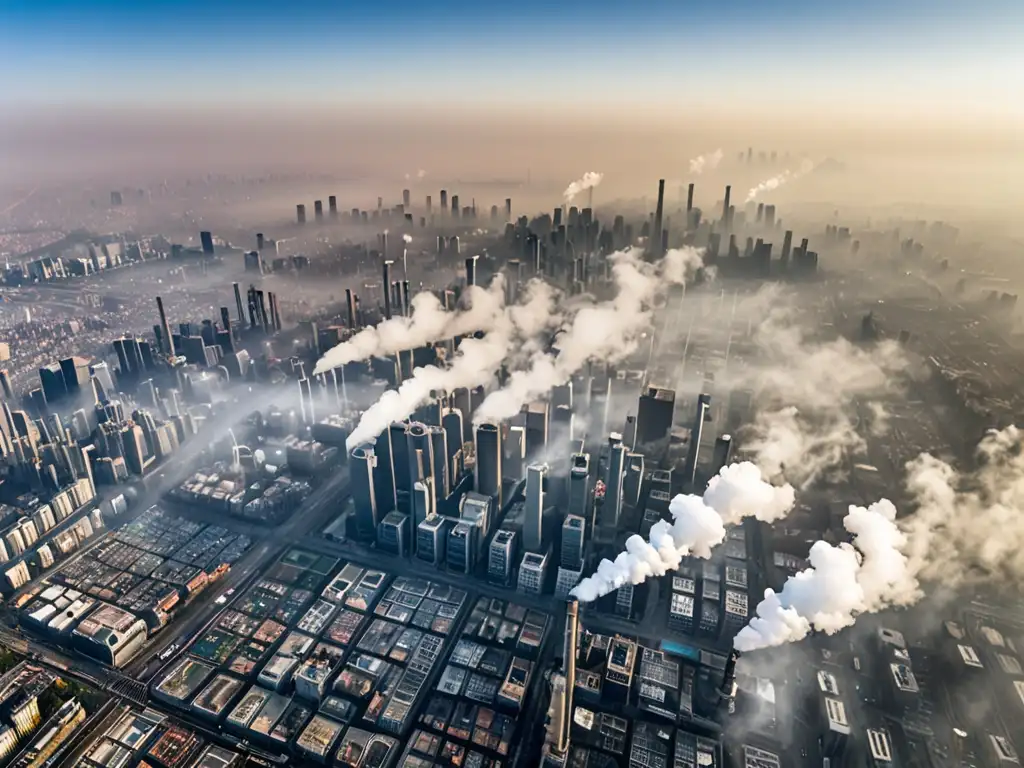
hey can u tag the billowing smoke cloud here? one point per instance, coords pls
(427, 322)
(698, 525)
(968, 527)
(420, 174)
(768, 185)
(869, 574)
(706, 162)
(606, 331)
(804, 387)
(473, 365)
(589, 180)
(407, 238)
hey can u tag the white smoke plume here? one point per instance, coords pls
(589, 180)
(803, 389)
(698, 525)
(420, 174)
(473, 365)
(968, 527)
(869, 574)
(706, 162)
(427, 322)
(773, 183)
(407, 238)
(605, 331)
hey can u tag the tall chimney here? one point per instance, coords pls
(689, 197)
(165, 329)
(351, 309)
(470, 271)
(725, 206)
(387, 289)
(384, 244)
(572, 620)
(238, 303)
(259, 241)
(659, 214)
(406, 308)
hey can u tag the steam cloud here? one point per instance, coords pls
(607, 331)
(589, 180)
(706, 162)
(473, 365)
(842, 582)
(968, 528)
(698, 525)
(428, 322)
(407, 238)
(824, 377)
(420, 174)
(778, 180)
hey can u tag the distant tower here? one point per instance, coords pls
(406, 198)
(725, 205)
(488, 460)
(318, 210)
(300, 213)
(470, 271)
(659, 214)
(533, 524)
(332, 205)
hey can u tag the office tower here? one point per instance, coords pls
(769, 217)
(332, 206)
(432, 539)
(5, 385)
(689, 198)
(574, 530)
(166, 340)
(424, 501)
(261, 305)
(115, 198)
(421, 453)
(703, 407)
(318, 210)
(393, 534)
(364, 496)
(470, 270)
(579, 485)
(488, 475)
(508, 209)
(206, 238)
(351, 306)
(500, 557)
(760, 213)
(726, 218)
(514, 446)
(430, 205)
(461, 548)
(533, 523)
(659, 213)
(632, 483)
(238, 302)
(787, 246)
(655, 413)
(406, 198)
(383, 473)
(532, 573)
(611, 509)
(387, 289)
(300, 213)
(536, 426)
(444, 201)
(51, 378)
(401, 464)
(439, 456)
(722, 453)
(406, 306)
(75, 372)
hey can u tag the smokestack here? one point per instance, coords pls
(590, 197)
(725, 206)
(387, 290)
(659, 213)
(405, 298)
(572, 608)
(470, 271)
(689, 197)
(238, 303)
(165, 329)
(350, 302)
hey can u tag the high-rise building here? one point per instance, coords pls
(384, 473)
(722, 453)
(362, 465)
(579, 485)
(574, 530)
(432, 539)
(659, 213)
(696, 432)
(488, 476)
(632, 484)
(300, 213)
(461, 548)
(533, 523)
(318, 210)
(655, 413)
(611, 508)
(532, 573)
(500, 557)
(206, 238)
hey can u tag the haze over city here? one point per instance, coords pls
(589, 385)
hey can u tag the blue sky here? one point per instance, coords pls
(309, 51)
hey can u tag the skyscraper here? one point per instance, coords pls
(574, 530)
(488, 460)
(611, 510)
(696, 431)
(655, 413)
(659, 213)
(579, 485)
(533, 524)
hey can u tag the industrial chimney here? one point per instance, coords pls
(659, 213)
(572, 621)
(387, 289)
(727, 693)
